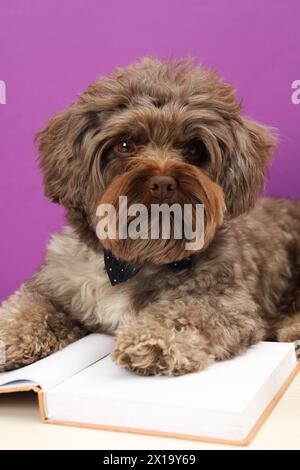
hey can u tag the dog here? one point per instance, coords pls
(167, 131)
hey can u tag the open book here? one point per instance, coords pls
(227, 402)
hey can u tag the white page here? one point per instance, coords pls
(211, 402)
(61, 365)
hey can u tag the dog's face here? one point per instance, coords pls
(156, 132)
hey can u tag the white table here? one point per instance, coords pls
(21, 428)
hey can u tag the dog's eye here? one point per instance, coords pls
(193, 148)
(124, 147)
(196, 152)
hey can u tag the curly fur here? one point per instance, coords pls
(244, 285)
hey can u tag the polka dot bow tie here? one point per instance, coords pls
(120, 271)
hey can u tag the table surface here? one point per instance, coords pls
(21, 428)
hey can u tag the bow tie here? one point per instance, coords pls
(120, 271)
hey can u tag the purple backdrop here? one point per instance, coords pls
(51, 50)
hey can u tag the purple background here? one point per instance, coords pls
(50, 50)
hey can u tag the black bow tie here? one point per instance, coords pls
(120, 271)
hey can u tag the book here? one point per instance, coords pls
(80, 385)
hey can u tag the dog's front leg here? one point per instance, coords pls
(176, 338)
(31, 327)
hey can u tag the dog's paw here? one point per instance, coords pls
(15, 351)
(159, 351)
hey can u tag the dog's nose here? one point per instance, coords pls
(162, 187)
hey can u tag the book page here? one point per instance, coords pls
(214, 402)
(61, 365)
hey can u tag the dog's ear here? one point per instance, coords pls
(243, 174)
(61, 146)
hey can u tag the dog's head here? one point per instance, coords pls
(155, 132)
